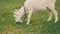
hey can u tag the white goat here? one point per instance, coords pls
(32, 5)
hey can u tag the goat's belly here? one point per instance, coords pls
(41, 7)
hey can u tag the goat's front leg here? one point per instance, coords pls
(29, 17)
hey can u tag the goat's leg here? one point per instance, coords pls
(55, 14)
(52, 8)
(29, 16)
(50, 15)
(29, 10)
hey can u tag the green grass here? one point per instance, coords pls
(38, 24)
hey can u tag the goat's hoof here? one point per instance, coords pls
(55, 22)
(49, 20)
(27, 23)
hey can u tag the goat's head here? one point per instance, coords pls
(16, 15)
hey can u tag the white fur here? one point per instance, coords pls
(32, 5)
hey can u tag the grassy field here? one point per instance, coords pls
(38, 24)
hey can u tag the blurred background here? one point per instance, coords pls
(38, 24)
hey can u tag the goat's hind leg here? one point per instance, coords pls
(55, 14)
(50, 14)
(52, 8)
